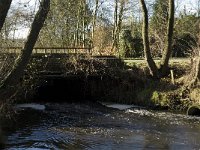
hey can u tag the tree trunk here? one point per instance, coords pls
(4, 7)
(119, 25)
(8, 85)
(115, 25)
(194, 77)
(84, 22)
(164, 68)
(198, 9)
(145, 34)
(79, 24)
(76, 36)
(115, 18)
(95, 18)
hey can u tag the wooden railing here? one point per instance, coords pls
(49, 50)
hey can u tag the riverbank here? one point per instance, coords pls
(80, 80)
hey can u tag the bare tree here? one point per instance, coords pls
(118, 22)
(94, 18)
(163, 71)
(4, 7)
(84, 21)
(121, 13)
(145, 34)
(169, 41)
(76, 34)
(198, 8)
(8, 85)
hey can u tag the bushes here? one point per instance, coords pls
(129, 46)
(183, 45)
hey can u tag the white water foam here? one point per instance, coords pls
(30, 105)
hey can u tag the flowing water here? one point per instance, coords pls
(93, 126)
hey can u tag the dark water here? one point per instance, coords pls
(91, 126)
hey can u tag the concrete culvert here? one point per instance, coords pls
(194, 110)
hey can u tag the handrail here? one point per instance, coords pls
(50, 49)
(47, 47)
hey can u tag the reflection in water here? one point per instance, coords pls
(92, 126)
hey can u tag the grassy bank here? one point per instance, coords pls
(168, 92)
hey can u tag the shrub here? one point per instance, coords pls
(129, 46)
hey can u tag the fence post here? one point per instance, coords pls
(172, 76)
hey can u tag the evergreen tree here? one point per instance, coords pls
(160, 16)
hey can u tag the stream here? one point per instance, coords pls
(92, 126)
